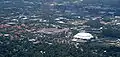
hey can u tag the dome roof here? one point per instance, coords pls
(83, 36)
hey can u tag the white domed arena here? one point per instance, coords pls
(82, 36)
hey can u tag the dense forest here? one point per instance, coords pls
(24, 48)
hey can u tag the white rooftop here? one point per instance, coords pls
(83, 36)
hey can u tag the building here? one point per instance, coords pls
(54, 32)
(82, 37)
